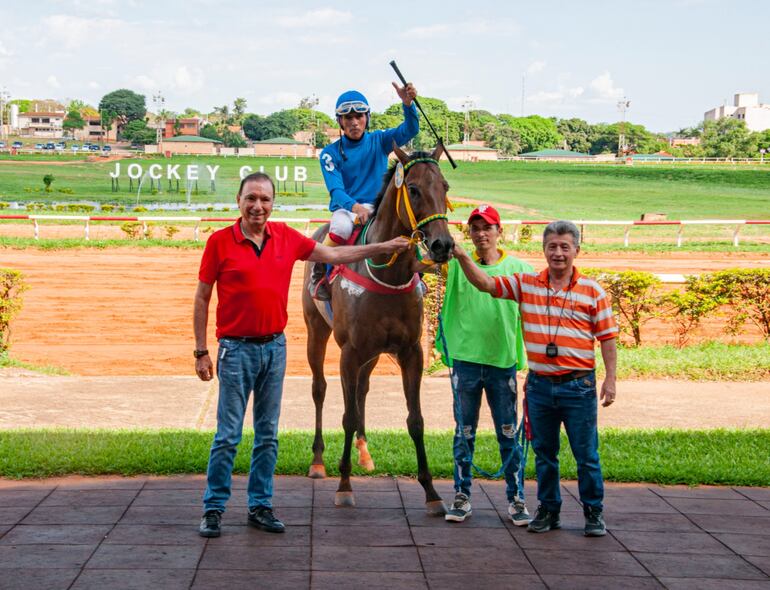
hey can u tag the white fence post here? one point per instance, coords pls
(625, 235)
(85, 231)
(735, 234)
(679, 236)
(37, 229)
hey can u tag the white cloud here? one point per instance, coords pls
(535, 67)
(188, 79)
(4, 51)
(477, 26)
(144, 82)
(280, 100)
(323, 17)
(53, 81)
(93, 85)
(560, 96)
(428, 32)
(74, 31)
(604, 88)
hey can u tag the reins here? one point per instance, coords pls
(417, 238)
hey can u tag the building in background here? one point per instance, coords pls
(42, 124)
(93, 131)
(746, 107)
(189, 144)
(471, 151)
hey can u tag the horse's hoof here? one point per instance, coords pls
(435, 508)
(317, 472)
(344, 499)
(367, 464)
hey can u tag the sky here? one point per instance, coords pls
(672, 59)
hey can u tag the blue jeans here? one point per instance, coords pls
(574, 404)
(243, 367)
(500, 386)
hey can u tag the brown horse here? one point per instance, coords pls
(372, 319)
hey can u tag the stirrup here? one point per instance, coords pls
(320, 290)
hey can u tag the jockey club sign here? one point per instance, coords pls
(193, 171)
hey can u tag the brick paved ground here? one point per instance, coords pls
(141, 533)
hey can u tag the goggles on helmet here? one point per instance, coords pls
(352, 105)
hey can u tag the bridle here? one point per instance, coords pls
(417, 237)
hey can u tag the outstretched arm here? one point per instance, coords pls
(345, 254)
(478, 278)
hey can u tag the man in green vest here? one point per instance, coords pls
(486, 348)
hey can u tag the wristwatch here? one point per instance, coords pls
(199, 353)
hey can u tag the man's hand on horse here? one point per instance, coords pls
(406, 93)
(362, 213)
(397, 244)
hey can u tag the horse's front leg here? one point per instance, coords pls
(318, 336)
(349, 366)
(410, 360)
(364, 458)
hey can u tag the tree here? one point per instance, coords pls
(210, 132)
(443, 120)
(73, 120)
(279, 124)
(308, 102)
(727, 138)
(252, 127)
(577, 134)
(232, 139)
(504, 139)
(12, 285)
(536, 133)
(190, 112)
(138, 132)
(123, 106)
(239, 109)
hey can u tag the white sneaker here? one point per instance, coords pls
(461, 509)
(518, 513)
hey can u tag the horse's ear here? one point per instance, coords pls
(400, 154)
(438, 151)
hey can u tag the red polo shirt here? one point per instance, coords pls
(252, 284)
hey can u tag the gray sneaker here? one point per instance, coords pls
(211, 524)
(461, 509)
(595, 526)
(519, 514)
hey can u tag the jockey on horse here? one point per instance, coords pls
(353, 167)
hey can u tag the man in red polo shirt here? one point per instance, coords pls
(251, 262)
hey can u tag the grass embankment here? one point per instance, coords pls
(726, 457)
(7, 362)
(538, 189)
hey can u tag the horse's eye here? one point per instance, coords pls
(413, 190)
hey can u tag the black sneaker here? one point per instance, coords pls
(544, 521)
(211, 524)
(461, 509)
(263, 518)
(595, 526)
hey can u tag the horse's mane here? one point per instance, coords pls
(389, 175)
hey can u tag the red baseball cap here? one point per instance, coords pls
(488, 213)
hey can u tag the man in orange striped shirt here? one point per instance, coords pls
(562, 313)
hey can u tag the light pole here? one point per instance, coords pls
(4, 96)
(160, 117)
(623, 106)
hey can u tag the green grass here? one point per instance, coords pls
(7, 361)
(708, 361)
(540, 189)
(727, 457)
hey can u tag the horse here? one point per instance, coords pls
(376, 309)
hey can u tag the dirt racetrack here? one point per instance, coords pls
(128, 311)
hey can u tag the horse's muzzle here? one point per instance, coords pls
(441, 248)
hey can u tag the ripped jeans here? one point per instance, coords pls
(500, 386)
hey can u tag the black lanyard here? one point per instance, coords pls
(551, 350)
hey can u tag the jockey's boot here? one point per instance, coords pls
(319, 285)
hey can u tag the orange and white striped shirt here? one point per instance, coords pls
(570, 318)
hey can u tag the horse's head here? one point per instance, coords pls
(427, 200)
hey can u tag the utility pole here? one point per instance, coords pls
(467, 106)
(623, 106)
(4, 96)
(160, 117)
